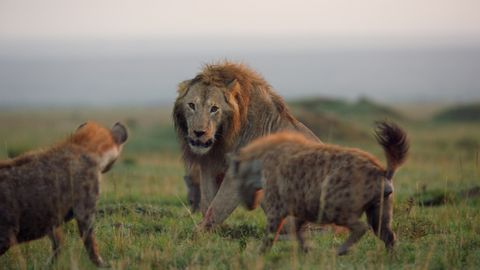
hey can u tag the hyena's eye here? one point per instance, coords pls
(213, 109)
(192, 106)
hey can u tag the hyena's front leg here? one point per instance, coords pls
(56, 237)
(274, 225)
(84, 213)
(85, 226)
(357, 230)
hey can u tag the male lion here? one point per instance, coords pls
(320, 183)
(223, 108)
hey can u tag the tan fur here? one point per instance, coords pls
(41, 190)
(247, 108)
(192, 181)
(319, 183)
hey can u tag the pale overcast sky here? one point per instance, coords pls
(136, 51)
(84, 19)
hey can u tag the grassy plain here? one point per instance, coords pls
(143, 221)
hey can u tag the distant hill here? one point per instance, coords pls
(460, 113)
(362, 108)
(328, 127)
(339, 119)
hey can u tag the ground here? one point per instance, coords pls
(143, 220)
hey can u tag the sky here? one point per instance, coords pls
(113, 19)
(60, 52)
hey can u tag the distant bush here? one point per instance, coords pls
(363, 107)
(130, 161)
(437, 197)
(467, 144)
(461, 113)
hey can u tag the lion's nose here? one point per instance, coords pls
(199, 133)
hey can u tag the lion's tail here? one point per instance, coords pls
(394, 142)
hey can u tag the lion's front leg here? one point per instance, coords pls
(193, 191)
(208, 189)
(225, 201)
(192, 181)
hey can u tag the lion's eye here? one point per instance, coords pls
(191, 105)
(214, 109)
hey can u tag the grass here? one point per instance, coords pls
(143, 221)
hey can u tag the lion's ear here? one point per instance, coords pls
(183, 87)
(231, 83)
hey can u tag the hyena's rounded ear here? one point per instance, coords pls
(119, 133)
(82, 125)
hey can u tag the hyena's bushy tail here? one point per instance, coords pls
(394, 141)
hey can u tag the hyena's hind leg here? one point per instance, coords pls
(357, 230)
(5, 239)
(56, 237)
(379, 217)
(8, 234)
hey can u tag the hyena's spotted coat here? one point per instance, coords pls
(39, 191)
(321, 183)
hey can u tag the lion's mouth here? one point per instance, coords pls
(198, 143)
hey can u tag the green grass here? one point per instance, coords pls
(143, 221)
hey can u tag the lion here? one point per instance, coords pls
(291, 176)
(223, 108)
(41, 190)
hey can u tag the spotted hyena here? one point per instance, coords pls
(39, 191)
(320, 183)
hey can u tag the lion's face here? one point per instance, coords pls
(205, 109)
